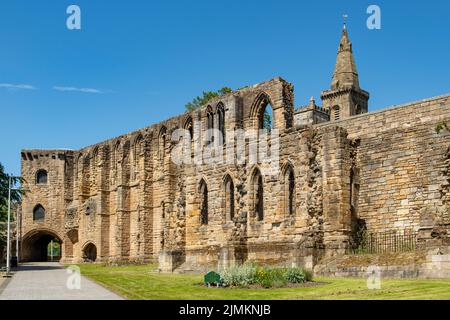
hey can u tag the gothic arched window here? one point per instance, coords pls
(258, 195)
(229, 198)
(221, 120)
(162, 142)
(94, 164)
(95, 157)
(189, 127)
(265, 118)
(262, 113)
(289, 191)
(203, 190)
(38, 213)
(209, 124)
(116, 155)
(138, 148)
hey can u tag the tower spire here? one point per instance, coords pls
(345, 72)
(345, 98)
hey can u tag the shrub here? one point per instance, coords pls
(267, 277)
(270, 277)
(308, 275)
(295, 275)
(240, 276)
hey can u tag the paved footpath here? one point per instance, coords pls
(51, 281)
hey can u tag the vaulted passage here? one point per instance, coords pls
(36, 246)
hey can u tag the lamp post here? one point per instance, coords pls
(17, 235)
(8, 237)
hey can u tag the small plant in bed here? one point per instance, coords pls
(250, 275)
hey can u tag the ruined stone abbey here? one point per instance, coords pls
(342, 169)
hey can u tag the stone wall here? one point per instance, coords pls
(131, 201)
(402, 166)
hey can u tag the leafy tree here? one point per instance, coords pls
(56, 249)
(200, 101)
(15, 199)
(267, 121)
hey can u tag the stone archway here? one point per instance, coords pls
(90, 252)
(35, 245)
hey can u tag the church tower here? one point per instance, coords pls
(345, 98)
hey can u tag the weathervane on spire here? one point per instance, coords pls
(345, 16)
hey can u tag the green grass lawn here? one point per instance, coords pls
(139, 282)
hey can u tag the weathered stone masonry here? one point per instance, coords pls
(125, 199)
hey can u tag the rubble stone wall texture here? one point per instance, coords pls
(126, 199)
(402, 164)
(126, 196)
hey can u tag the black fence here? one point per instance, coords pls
(375, 243)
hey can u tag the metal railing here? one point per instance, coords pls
(385, 242)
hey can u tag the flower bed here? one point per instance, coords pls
(252, 275)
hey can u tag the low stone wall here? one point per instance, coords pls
(431, 264)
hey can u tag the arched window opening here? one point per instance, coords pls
(289, 185)
(38, 213)
(229, 198)
(265, 117)
(94, 165)
(204, 203)
(258, 195)
(189, 127)
(86, 177)
(79, 165)
(41, 177)
(116, 155)
(221, 120)
(95, 157)
(126, 163)
(209, 125)
(137, 152)
(162, 143)
(138, 148)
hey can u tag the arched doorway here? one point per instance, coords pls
(90, 253)
(41, 246)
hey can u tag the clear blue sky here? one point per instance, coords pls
(148, 58)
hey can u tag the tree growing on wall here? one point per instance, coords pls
(200, 101)
(442, 126)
